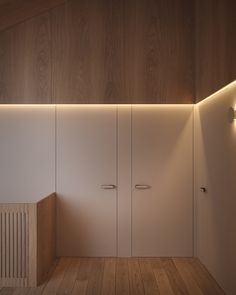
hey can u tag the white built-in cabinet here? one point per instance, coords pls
(124, 180)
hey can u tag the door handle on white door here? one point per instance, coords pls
(142, 186)
(108, 186)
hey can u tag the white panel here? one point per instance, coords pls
(86, 159)
(215, 169)
(162, 156)
(124, 180)
(27, 152)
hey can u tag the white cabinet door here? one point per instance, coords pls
(162, 157)
(86, 160)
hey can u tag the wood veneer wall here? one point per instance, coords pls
(110, 51)
(25, 62)
(215, 45)
(101, 51)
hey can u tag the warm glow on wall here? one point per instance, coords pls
(232, 114)
(220, 91)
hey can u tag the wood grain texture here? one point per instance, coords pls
(13, 12)
(159, 51)
(122, 277)
(191, 284)
(54, 283)
(32, 267)
(95, 276)
(114, 51)
(25, 62)
(176, 281)
(13, 245)
(136, 283)
(27, 242)
(148, 276)
(69, 278)
(88, 52)
(215, 46)
(106, 275)
(46, 236)
(109, 277)
(123, 52)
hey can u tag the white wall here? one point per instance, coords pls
(92, 146)
(215, 169)
(27, 152)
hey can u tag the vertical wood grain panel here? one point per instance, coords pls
(46, 236)
(113, 51)
(88, 52)
(101, 51)
(7, 244)
(14, 12)
(25, 62)
(3, 238)
(13, 242)
(159, 51)
(32, 245)
(231, 40)
(215, 46)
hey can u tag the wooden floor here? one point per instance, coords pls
(134, 276)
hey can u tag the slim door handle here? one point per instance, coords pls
(142, 186)
(108, 186)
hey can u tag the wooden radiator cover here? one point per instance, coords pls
(24, 229)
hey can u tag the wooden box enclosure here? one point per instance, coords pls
(27, 242)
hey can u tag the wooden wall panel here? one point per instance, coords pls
(15, 11)
(123, 52)
(101, 51)
(88, 52)
(25, 62)
(215, 46)
(159, 51)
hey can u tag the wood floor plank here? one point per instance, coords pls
(125, 276)
(84, 269)
(80, 287)
(205, 281)
(109, 277)
(81, 283)
(54, 283)
(21, 291)
(163, 282)
(177, 284)
(94, 286)
(183, 269)
(39, 290)
(69, 278)
(136, 283)
(156, 263)
(122, 277)
(7, 291)
(148, 277)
